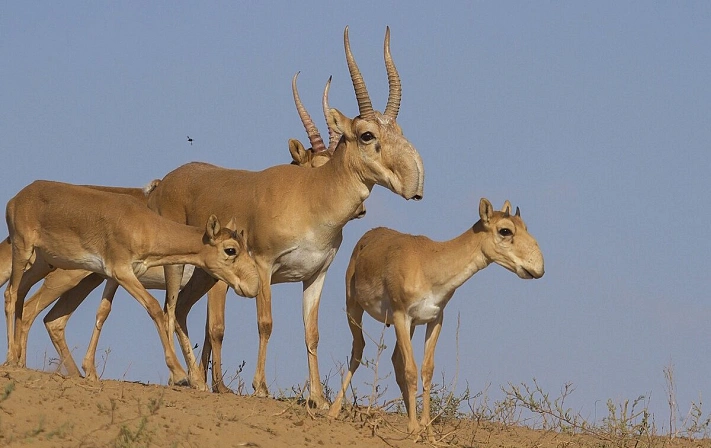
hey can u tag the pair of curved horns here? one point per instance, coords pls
(315, 139)
(365, 107)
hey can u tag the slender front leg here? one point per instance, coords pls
(56, 320)
(102, 313)
(199, 284)
(130, 283)
(173, 278)
(55, 284)
(310, 305)
(264, 326)
(405, 368)
(433, 331)
(214, 334)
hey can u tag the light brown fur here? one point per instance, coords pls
(407, 280)
(293, 218)
(74, 227)
(71, 287)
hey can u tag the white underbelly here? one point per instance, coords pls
(154, 278)
(301, 264)
(425, 311)
(88, 262)
(380, 310)
(421, 312)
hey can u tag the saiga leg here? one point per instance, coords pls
(433, 330)
(102, 313)
(214, 334)
(354, 313)
(19, 285)
(310, 305)
(56, 319)
(173, 278)
(130, 283)
(198, 285)
(55, 284)
(264, 326)
(5, 260)
(405, 368)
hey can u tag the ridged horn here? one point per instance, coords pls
(395, 94)
(365, 107)
(333, 136)
(315, 139)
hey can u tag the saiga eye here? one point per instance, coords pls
(505, 232)
(365, 137)
(231, 251)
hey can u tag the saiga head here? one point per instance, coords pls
(318, 154)
(230, 261)
(507, 241)
(387, 158)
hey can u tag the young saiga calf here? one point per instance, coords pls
(55, 284)
(73, 227)
(407, 280)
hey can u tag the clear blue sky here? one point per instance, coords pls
(593, 118)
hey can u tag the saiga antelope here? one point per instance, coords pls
(55, 283)
(313, 157)
(73, 227)
(407, 280)
(71, 287)
(293, 217)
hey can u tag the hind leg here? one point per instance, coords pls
(19, 285)
(55, 284)
(354, 313)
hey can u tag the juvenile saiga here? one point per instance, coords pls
(74, 227)
(293, 217)
(407, 280)
(55, 283)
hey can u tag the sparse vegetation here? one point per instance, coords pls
(460, 418)
(9, 387)
(513, 415)
(239, 385)
(128, 438)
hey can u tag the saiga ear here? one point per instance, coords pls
(485, 210)
(212, 228)
(232, 225)
(297, 150)
(336, 120)
(506, 208)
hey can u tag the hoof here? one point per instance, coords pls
(91, 379)
(220, 388)
(318, 403)
(183, 382)
(261, 393)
